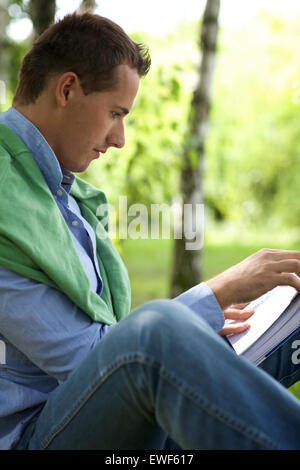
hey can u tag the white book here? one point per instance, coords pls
(276, 316)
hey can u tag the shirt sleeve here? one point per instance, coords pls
(202, 301)
(45, 325)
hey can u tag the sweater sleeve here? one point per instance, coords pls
(203, 302)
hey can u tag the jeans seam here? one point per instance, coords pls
(205, 405)
(220, 415)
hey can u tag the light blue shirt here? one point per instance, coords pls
(43, 335)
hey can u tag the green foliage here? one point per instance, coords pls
(17, 50)
(252, 151)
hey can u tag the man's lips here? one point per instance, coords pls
(98, 151)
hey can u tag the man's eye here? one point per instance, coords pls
(114, 114)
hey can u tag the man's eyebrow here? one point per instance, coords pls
(124, 110)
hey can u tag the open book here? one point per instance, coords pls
(276, 316)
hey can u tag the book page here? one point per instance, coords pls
(267, 309)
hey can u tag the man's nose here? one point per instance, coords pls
(117, 137)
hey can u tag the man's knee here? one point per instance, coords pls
(154, 328)
(159, 314)
(147, 322)
(166, 321)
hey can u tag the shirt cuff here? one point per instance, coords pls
(203, 302)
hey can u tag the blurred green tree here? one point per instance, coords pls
(42, 14)
(4, 51)
(87, 5)
(253, 148)
(187, 268)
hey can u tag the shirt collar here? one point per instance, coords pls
(55, 175)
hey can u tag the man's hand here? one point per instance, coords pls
(236, 312)
(256, 275)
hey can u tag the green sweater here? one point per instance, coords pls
(35, 240)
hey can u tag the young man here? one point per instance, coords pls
(78, 372)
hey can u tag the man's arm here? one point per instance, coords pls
(225, 295)
(256, 275)
(45, 325)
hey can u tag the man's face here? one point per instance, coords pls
(91, 124)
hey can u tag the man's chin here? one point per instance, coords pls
(78, 168)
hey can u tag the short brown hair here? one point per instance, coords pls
(87, 44)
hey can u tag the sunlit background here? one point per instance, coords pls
(159, 17)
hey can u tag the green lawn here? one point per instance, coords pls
(149, 263)
(149, 266)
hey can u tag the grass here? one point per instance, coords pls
(149, 264)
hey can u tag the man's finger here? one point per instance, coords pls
(281, 254)
(236, 314)
(288, 279)
(288, 266)
(240, 306)
(234, 329)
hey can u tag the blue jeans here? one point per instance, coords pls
(162, 378)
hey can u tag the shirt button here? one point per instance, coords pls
(75, 223)
(59, 192)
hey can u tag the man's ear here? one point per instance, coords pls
(67, 86)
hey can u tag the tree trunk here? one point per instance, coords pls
(42, 14)
(187, 257)
(87, 5)
(4, 52)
